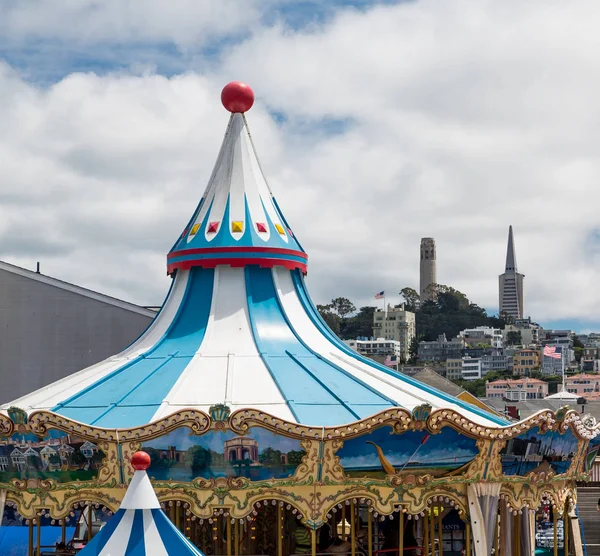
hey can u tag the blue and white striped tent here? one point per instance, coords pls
(140, 527)
(238, 327)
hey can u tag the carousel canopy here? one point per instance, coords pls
(238, 326)
(140, 527)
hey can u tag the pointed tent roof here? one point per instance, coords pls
(511, 259)
(140, 527)
(238, 326)
(237, 221)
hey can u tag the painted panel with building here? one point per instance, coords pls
(58, 456)
(260, 455)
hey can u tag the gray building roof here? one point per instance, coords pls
(50, 329)
(529, 407)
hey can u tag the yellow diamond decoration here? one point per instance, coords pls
(194, 229)
(280, 229)
(237, 226)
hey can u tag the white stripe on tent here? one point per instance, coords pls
(118, 541)
(153, 543)
(216, 374)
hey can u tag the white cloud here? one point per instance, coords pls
(461, 119)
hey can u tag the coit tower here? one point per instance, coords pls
(428, 270)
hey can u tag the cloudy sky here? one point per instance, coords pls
(377, 123)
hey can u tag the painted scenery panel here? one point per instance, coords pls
(59, 456)
(381, 452)
(260, 455)
(533, 451)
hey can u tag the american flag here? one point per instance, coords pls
(380, 295)
(552, 351)
(390, 361)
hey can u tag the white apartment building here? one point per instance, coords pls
(471, 368)
(379, 347)
(482, 335)
(395, 324)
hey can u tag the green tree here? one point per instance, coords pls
(360, 324)
(331, 319)
(514, 338)
(197, 457)
(342, 307)
(412, 300)
(295, 457)
(269, 456)
(413, 351)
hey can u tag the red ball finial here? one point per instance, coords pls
(140, 461)
(237, 97)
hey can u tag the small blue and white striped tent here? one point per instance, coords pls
(140, 527)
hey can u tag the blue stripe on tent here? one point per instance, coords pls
(131, 395)
(315, 391)
(173, 539)
(326, 331)
(100, 539)
(137, 545)
(362, 408)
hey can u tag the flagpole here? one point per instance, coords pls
(562, 364)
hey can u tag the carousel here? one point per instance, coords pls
(266, 434)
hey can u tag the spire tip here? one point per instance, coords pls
(237, 97)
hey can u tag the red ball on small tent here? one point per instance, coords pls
(140, 461)
(237, 97)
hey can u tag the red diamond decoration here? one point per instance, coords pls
(213, 227)
(290, 232)
(261, 227)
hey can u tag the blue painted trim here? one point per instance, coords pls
(392, 403)
(322, 326)
(323, 385)
(247, 280)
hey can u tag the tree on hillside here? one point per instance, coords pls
(332, 320)
(448, 311)
(342, 307)
(514, 338)
(360, 324)
(412, 300)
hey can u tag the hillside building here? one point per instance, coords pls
(395, 324)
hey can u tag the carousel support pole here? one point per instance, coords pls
(178, 516)
(370, 534)
(30, 547)
(279, 530)
(468, 539)
(228, 533)
(343, 522)
(401, 534)
(496, 532)
(425, 536)
(237, 538)
(63, 531)
(517, 536)
(440, 531)
(38, 544)
(313, 542)
(352, 529)
(432, 524)
(555, 525)
(89, 521)
(566, 530)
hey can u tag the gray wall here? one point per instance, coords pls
(47, 333)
